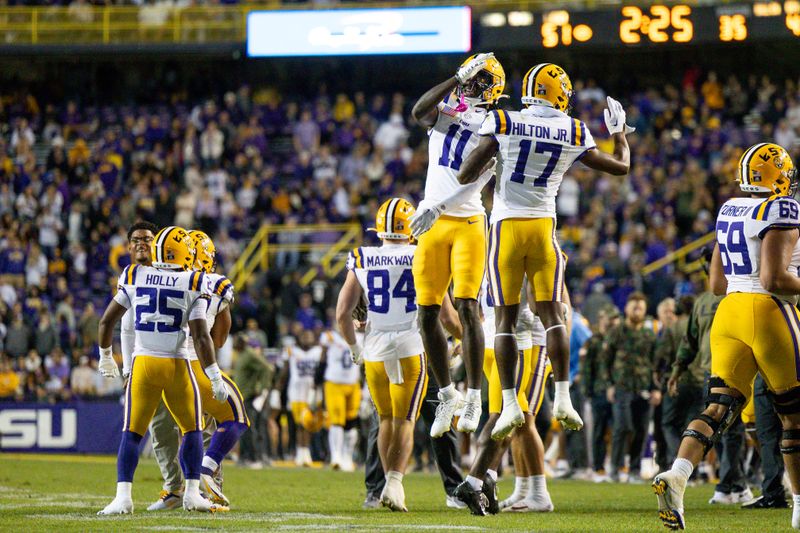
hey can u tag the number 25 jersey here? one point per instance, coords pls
(742, 223)
(384, 272)
(536, 147)
(162, 302)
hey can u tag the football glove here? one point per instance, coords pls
(468, 71)
(107, 366)
(356, 353)
(218, 388)
(614, 116)
(424, 218)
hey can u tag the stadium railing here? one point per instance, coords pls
(330, 255)
(679, 257)
(84, 24)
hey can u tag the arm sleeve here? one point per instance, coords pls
(689, 345)
(127, 340)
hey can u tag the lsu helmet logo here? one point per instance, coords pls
(767, 167)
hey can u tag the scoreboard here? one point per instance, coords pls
(642, 25)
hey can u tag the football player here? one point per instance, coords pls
(479, 490)
(455, 247)
(395, 361)
(756, 327)
(301, 362)
(230, 419)
(534, 148)
(342, 389)
(165, 297)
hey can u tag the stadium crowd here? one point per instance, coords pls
(74, 177)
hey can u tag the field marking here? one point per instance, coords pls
(60, 457)
(391, 527)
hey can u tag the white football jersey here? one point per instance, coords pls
(384, 273)
(221, 290)
(302, 367)
(537, 146)
(741, 225)
(163, 302)
(340, 367)
(450, 141)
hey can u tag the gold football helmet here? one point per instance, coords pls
(487, 85)
(547, 84)
(205, 258)
(391, 222)
(767, 167)
(172, 249)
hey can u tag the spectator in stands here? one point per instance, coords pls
(9, 380)
(87, 325)
(18, 338)
(255, 335)
(46, 337)
(82, 380)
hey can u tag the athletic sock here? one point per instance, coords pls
(192, 487)
(209, 466)
(448, 392)
(223, 440)
(124, 489)
(492, 474)
(192, 455)
(509, 397)
(336, 443)
(522, 486)
(538, 485)
(128, 456)
(474, 395)
(349, 441)
(475, 483)
(394, 475)
(683, 467)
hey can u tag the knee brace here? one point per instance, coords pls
(707, 442)
(733, 404)
(786, 403)
(790, 434)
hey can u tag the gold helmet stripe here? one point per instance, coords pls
(745, 165)
(160, 244)
(390, 211)
(530, 81)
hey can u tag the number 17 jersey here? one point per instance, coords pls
(536, 147)
(742, 224)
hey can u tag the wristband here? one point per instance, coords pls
(105, 352)
(213, 372)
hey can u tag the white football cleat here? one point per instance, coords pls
(511, 417)
(117, 506)
(394, 497)
(210, 486)
(167, 501)
(196, 502)
(511, 500)
(454, 503)
(470, 417)
(669, 489)
(567, 415)
(444, 414)
(542, 504)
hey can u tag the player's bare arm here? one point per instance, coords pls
(448, 316)
(776, 254)
(617, 164)
(221, 328)
(716, 276)
(111, 316)
(349, 297)
(203, 344)
(478, 160)
(425, 111)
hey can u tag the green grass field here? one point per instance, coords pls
(60, 493)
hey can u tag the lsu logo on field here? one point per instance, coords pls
(38, 429)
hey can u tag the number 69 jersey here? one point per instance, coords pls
(536, 147)
(742, 223)
(384, 273)
(163, 302)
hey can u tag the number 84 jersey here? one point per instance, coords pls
(162, 302)
(536, 147)
(742, 223)
(384, 273)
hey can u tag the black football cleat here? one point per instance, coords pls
(767, 503)
(475, 500)
(490, 491)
